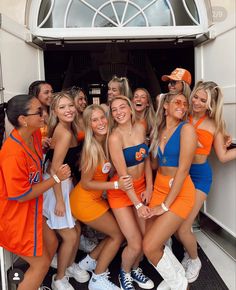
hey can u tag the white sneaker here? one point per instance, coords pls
(88, 264)
(193, 269)
(86, 244)
(54, 262)
(101, 282)
(185, 260)
(77, 273)
(62, 284)
(44, 288)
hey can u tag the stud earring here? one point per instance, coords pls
(25, 124)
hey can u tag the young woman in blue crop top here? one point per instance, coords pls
(206, 108)
(129, 155)
(173, 145)
(62, 128)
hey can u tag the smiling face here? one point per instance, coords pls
(121, 111)
(45, 94)
(65, 110)
(140, 100)
(80, 102)
(99, 123)
(177, 107)
(176, 86)
(199, 102)
(113, 90)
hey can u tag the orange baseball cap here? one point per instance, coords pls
(179, 74)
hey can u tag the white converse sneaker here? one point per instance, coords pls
(54, 262)
(142, 280)
(86, 244)
(88, 264)
(101, 282)
(77, 273)
(193, 269)
(185, 260)
(62, 284)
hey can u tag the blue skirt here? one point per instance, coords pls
(201, 175)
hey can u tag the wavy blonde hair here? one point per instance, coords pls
(112, 123)
(215, 102)
(53, 119)
(161, 120)
(93, 153)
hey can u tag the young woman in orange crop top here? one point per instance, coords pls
(23, 230)
(173, 145)
(87, 203)
(206, 107)
(129, 155)
(144, 110)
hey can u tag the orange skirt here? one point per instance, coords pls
(87, 206)
(184, 202)
(118, 198)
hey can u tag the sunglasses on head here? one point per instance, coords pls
(40, 113)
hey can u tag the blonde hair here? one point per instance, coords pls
(53, 119)
(161, 120)
(215, 102)
(186, 91)
(112, 123)
(124, 86)
(93, 153)
(149, 114)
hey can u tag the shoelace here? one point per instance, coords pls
(139, 274)
(128, 280)
(44, 288)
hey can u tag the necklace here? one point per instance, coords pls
(168, 132)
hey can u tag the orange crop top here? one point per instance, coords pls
(205, 138)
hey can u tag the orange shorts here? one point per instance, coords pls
(183, 204)
(87, 206)
(118, 198)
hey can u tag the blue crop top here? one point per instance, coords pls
(135, 154)
(170, 156)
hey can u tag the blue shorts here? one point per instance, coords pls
(201, 175)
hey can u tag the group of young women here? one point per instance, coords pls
(124, 143)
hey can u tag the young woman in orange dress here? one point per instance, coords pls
(87, 203)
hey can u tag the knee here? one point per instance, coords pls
(71, 237)
(135, 245)
(147, 248)
(183, 232)
(118, 237)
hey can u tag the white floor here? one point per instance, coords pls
(225, 266)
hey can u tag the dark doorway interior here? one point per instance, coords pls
(91, 65)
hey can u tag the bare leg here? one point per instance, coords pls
(110, 245)
(184, 233)
(130, 229)
(38, 266)
(65, 253)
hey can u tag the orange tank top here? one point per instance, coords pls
(205, 138)
(80, 135)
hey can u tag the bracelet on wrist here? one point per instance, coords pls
(137, 206)
(56, 178)
(164, 207)
(116, 185)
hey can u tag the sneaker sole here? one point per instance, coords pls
(144, 286)
(80, 280)
(193, 279)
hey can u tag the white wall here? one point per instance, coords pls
(215, 60)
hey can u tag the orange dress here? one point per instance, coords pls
(88, 205)
(20, 222)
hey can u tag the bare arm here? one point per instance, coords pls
(146, 196)
(62, 144)
(221, 151)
